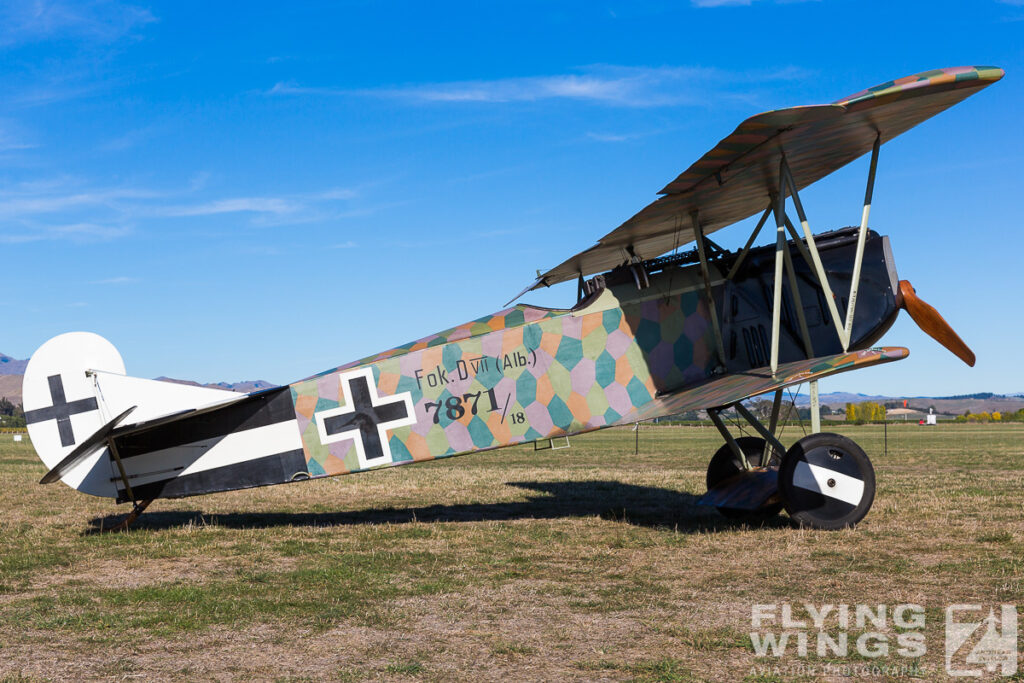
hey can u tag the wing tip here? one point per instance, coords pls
(959, 76)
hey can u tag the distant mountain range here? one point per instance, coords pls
(12, 366)
(11, 371)
(241, 387)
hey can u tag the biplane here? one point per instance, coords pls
(656, 330)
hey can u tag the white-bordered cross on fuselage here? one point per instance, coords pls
(61, 410)
(365, 418)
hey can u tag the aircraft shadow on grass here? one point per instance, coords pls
(646, 506)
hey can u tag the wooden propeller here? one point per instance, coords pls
(932, 323)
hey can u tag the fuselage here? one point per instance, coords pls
(622, 354)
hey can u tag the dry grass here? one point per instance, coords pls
(589, 563)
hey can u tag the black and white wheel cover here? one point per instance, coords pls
(827, 481)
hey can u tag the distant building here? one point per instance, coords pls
(904, 413)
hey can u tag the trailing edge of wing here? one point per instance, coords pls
(733, 180)
(729, 389)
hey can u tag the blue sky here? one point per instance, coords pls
(272, 192)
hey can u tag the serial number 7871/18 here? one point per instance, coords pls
(454, 407)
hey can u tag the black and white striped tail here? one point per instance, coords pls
(178, 440)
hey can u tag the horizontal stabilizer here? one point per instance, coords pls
(85, 449)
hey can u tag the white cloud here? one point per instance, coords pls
(65, 208)
(11, 141)
(610, 137)
(127, 140)
(274, 205)
(89, 231)
(600, 84)
(32, 81)
(55, 90)
(28, 21)
(22, 204)
(120, 280)
(620, 86)
(626, 137)
(291, 88)
(337, 194)
(527, 89)
(78, 233)
(198, 180)
(747, 3)
(720, 3)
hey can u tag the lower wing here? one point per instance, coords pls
(729, 389)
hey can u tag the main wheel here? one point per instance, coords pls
(724, 465)
(827, 482)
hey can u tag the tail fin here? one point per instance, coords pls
(75, 384)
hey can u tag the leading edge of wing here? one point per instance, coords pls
(722, 192)
(733, 180)
(760, 128)
(729, 389)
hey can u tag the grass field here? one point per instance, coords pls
(589, 563)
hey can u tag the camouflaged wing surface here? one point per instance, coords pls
(738, 387)
(732, 181)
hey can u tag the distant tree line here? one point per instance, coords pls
(855, 413)
(11, 415)
(994, 416)
(868, 411)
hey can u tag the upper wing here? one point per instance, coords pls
(729, 389)
(733, 180)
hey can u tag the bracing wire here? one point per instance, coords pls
(675, 252)
(800, 420)
(739, 425)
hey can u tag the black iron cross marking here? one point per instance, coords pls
(366, 417)
(61, 410)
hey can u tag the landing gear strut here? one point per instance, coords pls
(137, 509)
(824, 481)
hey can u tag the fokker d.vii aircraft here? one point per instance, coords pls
(657, 331)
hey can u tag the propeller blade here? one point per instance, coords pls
(932, 323)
